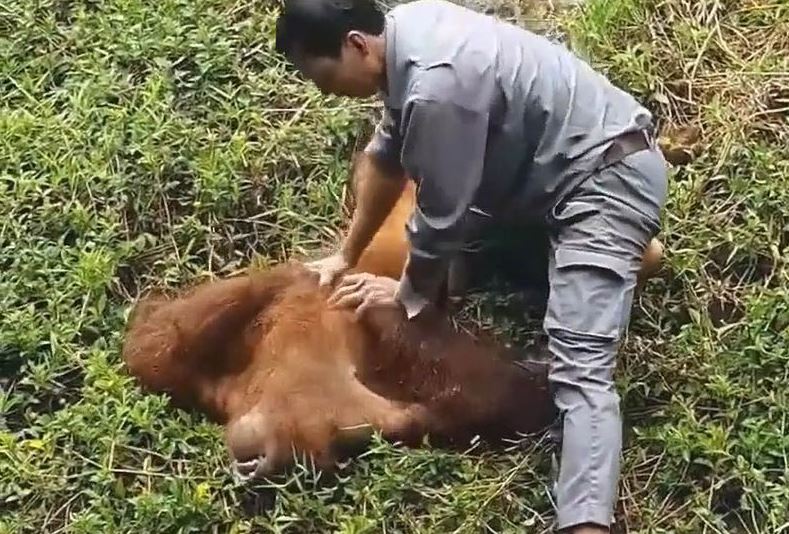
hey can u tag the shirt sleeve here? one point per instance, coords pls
(444, 148)
(386, 143)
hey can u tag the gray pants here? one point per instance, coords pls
(598, 236)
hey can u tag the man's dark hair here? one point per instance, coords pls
(317, 27)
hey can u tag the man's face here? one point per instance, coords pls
(355, 73)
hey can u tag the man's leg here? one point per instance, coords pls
(598, 240)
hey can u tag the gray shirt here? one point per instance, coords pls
(486, 117)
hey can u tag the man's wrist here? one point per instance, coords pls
(413, 302)
(349, 253)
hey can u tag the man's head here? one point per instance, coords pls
(338, 44)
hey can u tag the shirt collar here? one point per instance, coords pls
(392, 95)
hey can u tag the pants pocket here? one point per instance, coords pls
(590, 294)
(571, 211)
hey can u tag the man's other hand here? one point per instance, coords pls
(329, 268)
(363, 291)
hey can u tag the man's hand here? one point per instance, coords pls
(363, 291)
(377, 189)
(329, 268)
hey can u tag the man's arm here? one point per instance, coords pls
(379, 180)
(444, 145)
(380, 184)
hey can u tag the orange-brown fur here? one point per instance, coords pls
(264, 355)
(388, 250)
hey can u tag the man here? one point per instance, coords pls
(490, 119)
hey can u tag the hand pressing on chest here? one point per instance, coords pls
(363, 291)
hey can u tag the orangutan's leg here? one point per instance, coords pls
(256, 444)
(650, 261)
(366, 412)
(262, 445)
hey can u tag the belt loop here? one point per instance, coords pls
(649, 137)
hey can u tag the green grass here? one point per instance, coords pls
(153, 143)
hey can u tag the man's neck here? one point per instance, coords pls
(379, 48)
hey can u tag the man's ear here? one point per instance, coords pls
(358, 40)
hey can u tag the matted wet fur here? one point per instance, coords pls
(265, 356)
